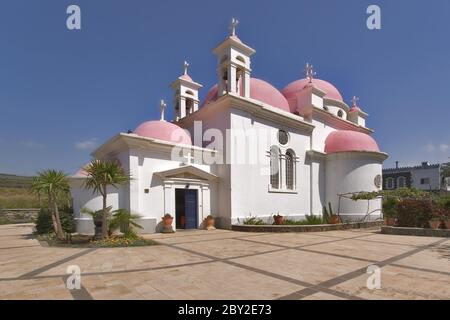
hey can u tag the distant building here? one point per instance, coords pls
(423, 177)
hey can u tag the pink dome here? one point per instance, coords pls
(163, 130)
(294, 87)
(259, 90)
(347, 140)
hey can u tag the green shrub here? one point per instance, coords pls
(309, 220)
(415, 213)
(444, 202)
(44, 223)
(254, 221)
(389, 207)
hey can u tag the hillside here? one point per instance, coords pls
(13, 181)
(14, 193)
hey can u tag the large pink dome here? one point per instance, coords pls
(347, 140)
(163, 130)
(294, 87)
(259, 90)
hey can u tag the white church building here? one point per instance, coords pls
(248, 149)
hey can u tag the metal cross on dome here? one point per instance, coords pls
(162, 107)
(309, 71)
(233, 25)
(355, 100)
(186, 66)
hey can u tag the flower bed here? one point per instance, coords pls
(83, 241)
(305, 228)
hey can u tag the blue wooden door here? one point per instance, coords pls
(190, 205)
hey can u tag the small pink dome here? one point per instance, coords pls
(294, 87)
(163, 130)
(259, 90)
(347, 140)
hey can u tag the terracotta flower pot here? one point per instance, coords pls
(167, 221)
(447, 224)
(278, 220)
(209, 223)
(389, 221)
(434, 224)
(334, 219)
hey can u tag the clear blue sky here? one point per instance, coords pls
(63, 92)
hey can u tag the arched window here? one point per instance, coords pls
(290, 170)
(240, 59)
(401, 182)
(389, 183)
(274, 167)
(340, 113)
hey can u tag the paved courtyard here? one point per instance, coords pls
(224, 264)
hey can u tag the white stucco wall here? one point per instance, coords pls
(350, 172)
(250, 193)
(432, 173)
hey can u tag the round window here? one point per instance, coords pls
(377, 181)
(283, 137)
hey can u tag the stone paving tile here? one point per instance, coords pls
(193, 282)
(322, 296)
(54, 289)
(290, 239)
(227, 248)
(361, 249)
(16, 262)
(128, 259)
(400, 284)
(304, 266)
(406, 240)
(199, 236)
(436, 258)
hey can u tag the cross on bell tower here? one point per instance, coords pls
(162, 108)
(355, 100)
(185, 97)
(233, 69)
(309, 71)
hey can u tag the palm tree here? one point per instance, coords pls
(100, 176)
(54, 185)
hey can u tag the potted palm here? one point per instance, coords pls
(167, 221)
(209, 223)
(278, 219)
(123, 219)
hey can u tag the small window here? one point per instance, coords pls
(340, 114)
(425, 181)
(283, 137)
(326, 108)
(389, 183)
(401, 182)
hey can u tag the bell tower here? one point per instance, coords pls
(233, 69)
(185, 96)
